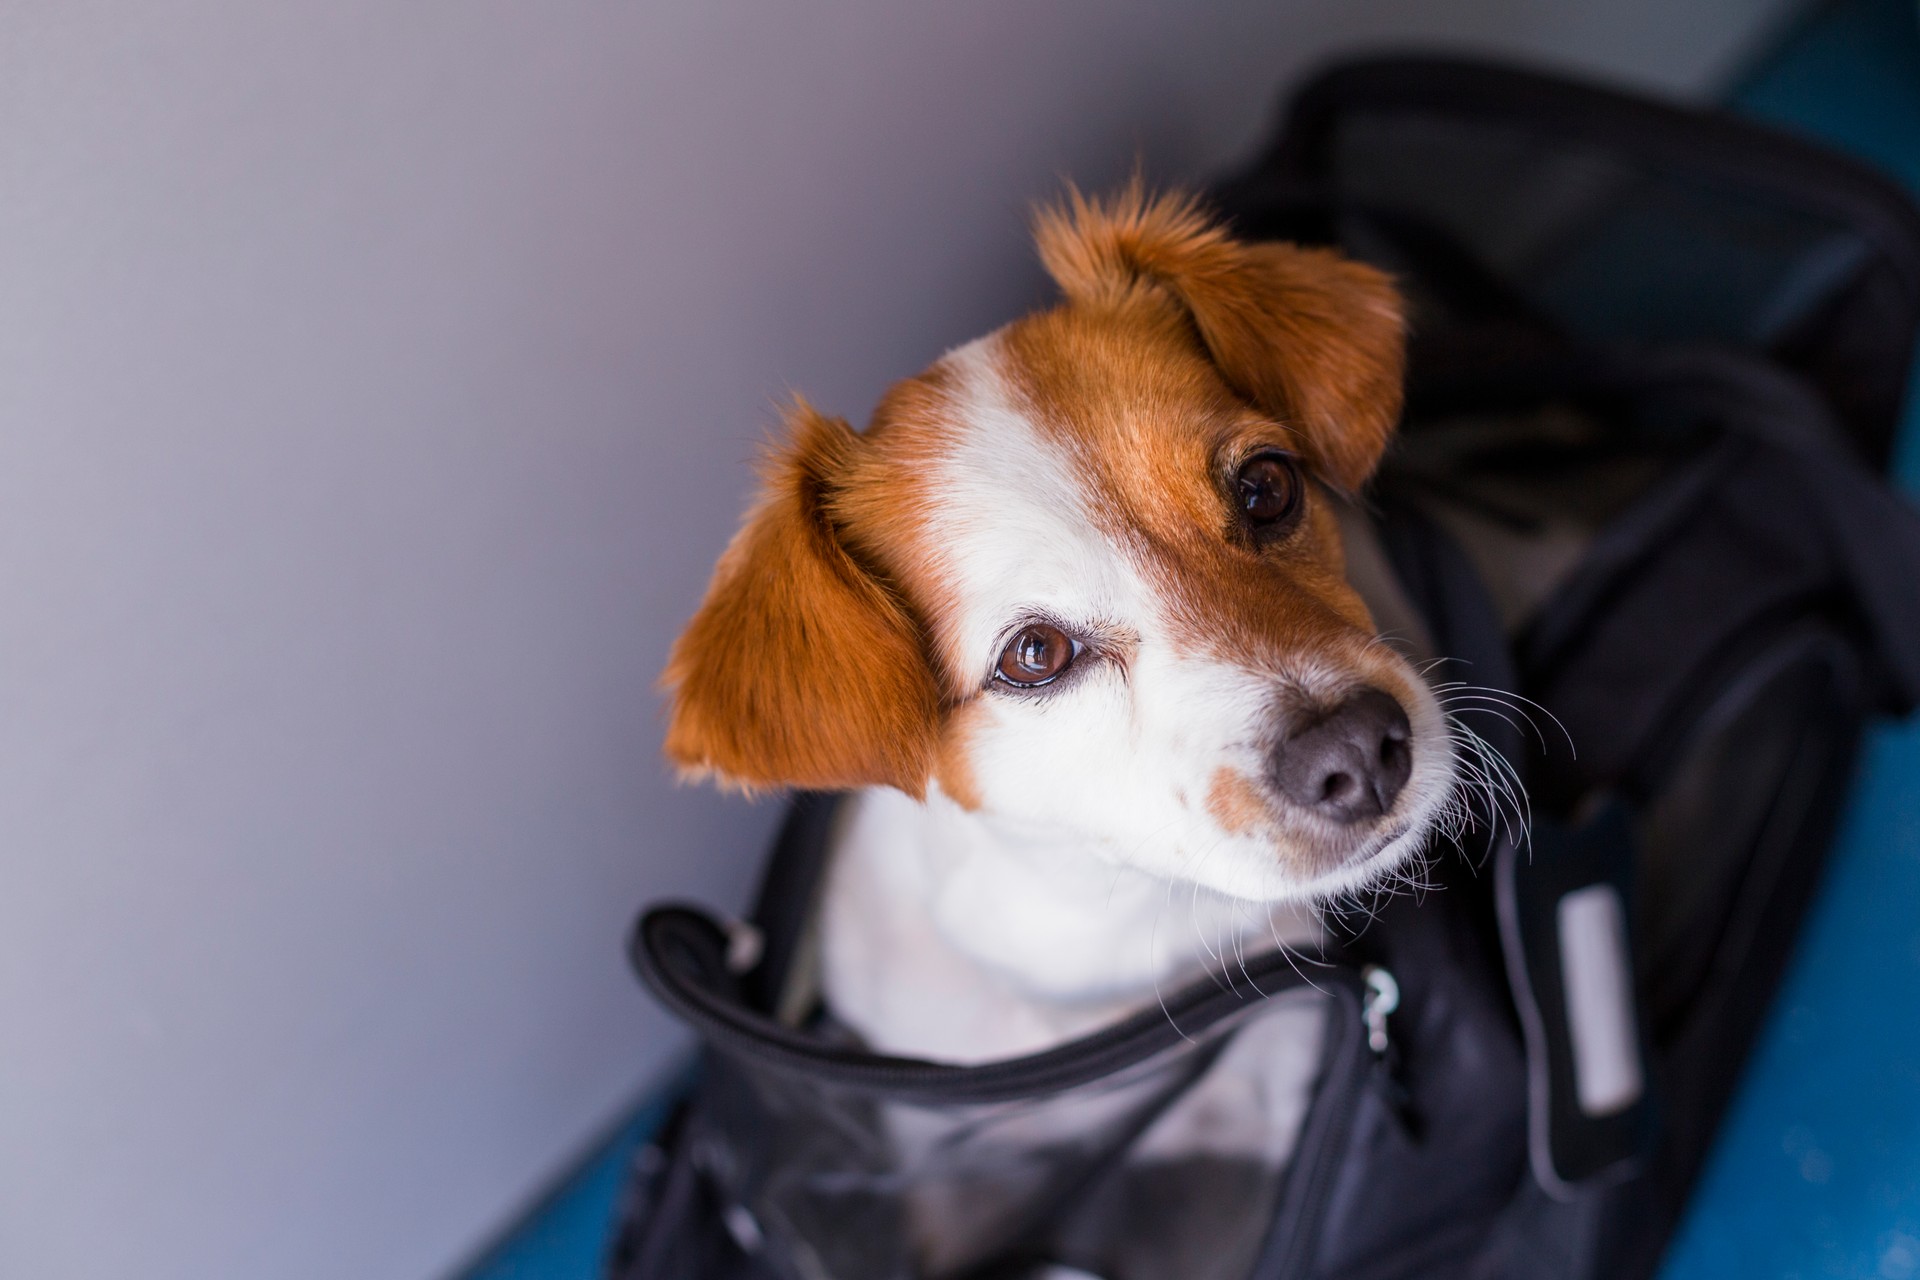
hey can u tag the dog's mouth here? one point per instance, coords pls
(1345, 861)
(1375, 857)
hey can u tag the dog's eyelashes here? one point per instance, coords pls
(1268, 489)
(1036, 655)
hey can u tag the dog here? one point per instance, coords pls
(1072, 621)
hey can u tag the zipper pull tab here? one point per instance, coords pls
(745, 946)
(1381, 999)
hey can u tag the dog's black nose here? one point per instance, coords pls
(1350, 764)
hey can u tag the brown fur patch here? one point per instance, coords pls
(1236, 803)
(953, 765)
(885, 509)
(1156, 431)
(1307, 336)
(800, 667)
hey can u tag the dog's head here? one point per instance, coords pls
(1085, 573)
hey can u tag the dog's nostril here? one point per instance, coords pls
(1351, 764)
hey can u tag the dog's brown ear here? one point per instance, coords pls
(1311, 338)
(800, 669)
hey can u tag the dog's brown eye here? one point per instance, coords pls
(1034, 656)
(1268, 487)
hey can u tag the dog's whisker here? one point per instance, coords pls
(1214, 952)
(1480, 778)
(1515, 788)
(1240, 953)
(1454, 707)
(1167, 1013)
(1393, 642)
(1239, 945)
(1472, 768)
(1495, 768)
(1519, 703)
(1153, 967)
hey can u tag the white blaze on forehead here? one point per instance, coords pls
(1111, 758)
(1010, 521)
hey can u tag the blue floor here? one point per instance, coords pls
(1818, 1169)
(565, 1237)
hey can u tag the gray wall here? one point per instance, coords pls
(376, 386)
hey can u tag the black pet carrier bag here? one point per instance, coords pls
(1657, 362)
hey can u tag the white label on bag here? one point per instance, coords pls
(1598, 982)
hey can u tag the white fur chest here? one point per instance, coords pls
(951, 936)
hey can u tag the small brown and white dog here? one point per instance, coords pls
(1072, 618)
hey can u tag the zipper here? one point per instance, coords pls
(1361, 1055)
(1322, 1146)
(682, 954)
(1382, 998)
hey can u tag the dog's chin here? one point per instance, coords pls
(1373, 864)
(1313, 867)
